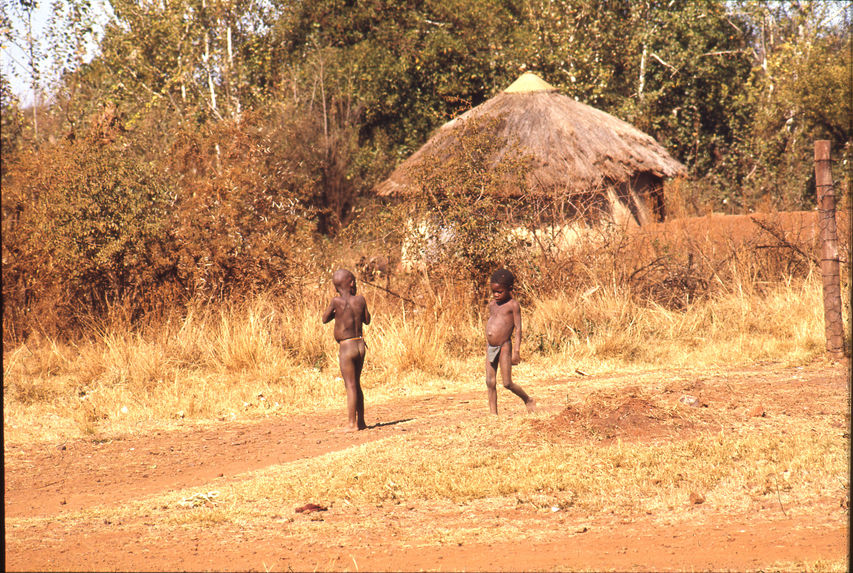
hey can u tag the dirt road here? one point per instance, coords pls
(55, 480)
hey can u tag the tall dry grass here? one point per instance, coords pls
(271, 356)
(783, 323)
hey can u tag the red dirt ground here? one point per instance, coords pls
(52, 480)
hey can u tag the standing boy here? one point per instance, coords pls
(503, 336)
(350, 312)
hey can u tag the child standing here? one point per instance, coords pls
(350, 312)
(503, 338)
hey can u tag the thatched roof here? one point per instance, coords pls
(575, 147)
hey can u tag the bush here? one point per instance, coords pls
(240, 223)
(464, 212)
(80, 223)
(104, 220)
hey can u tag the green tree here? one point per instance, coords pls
(186, 53)
(17, 19)
(11, 125)
(799, 91)
(410, 65)
(70, 37)
(674, 68)
(735, 90)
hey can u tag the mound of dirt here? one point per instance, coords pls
(629, 416)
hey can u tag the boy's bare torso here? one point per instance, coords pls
(349, 313)
(501, 322)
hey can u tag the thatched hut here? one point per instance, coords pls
(597, 163)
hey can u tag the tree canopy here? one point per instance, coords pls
(253, 115)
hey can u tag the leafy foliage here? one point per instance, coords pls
(80, 224)
(11, 124)
(466, 202)
(800, 90)
(254, 131)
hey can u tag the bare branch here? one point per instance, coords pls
(721, 53)
(776, 234)
(658, 58)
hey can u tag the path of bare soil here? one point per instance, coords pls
(55, 479)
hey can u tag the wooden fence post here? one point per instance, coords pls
(829, 265)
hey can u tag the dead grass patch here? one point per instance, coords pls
(267, 356)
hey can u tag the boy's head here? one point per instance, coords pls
(504, 278)
(343, 280)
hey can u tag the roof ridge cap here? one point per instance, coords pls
(529, 82)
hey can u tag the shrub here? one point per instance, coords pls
(465, 207)
(80, 220)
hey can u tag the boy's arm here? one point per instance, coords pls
(365, 314)
(516, 333)
(329, 314)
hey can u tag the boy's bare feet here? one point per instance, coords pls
(531, 405)
(346, 430)
(350, 429)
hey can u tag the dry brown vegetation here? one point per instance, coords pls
(639, 299)
(664, 310)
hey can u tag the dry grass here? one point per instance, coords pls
(268, 357)
(462, 475)
(785, 323)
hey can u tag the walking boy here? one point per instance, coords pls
(503, 337)
(350, 312)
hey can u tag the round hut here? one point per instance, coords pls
(592, 161)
